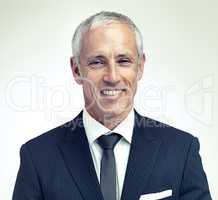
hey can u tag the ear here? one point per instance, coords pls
(141, 67)
(75, 70)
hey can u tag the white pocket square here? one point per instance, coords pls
(156, 196)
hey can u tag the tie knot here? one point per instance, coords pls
(108, 141)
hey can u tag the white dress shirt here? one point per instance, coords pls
(94, 130)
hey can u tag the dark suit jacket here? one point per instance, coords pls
(58, 164)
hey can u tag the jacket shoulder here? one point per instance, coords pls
(163, 131)
(55, 135)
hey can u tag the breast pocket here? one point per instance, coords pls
(163, 195)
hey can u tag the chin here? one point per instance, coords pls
(111, 110)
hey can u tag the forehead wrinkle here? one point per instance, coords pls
(104, 33)
(100, 42)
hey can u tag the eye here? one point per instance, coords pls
(124, 61)
(95, 63)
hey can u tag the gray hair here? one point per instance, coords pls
(99, 19)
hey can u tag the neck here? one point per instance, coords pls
(110, 120)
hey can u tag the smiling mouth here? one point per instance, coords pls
(111, 92)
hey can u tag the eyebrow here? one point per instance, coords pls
(124, 55)
(103, 57)
(96, 57)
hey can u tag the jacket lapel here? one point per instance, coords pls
(143, 153)
(77, 157)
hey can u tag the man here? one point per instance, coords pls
(109, 151)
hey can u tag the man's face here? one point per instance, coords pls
(109, 70)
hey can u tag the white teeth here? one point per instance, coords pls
(111, 92)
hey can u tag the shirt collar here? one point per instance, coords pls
(95, 129)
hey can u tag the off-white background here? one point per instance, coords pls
(37, 91)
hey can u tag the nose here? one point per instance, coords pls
(112, 75)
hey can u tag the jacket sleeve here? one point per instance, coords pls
(27, 186)
(194, 185)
